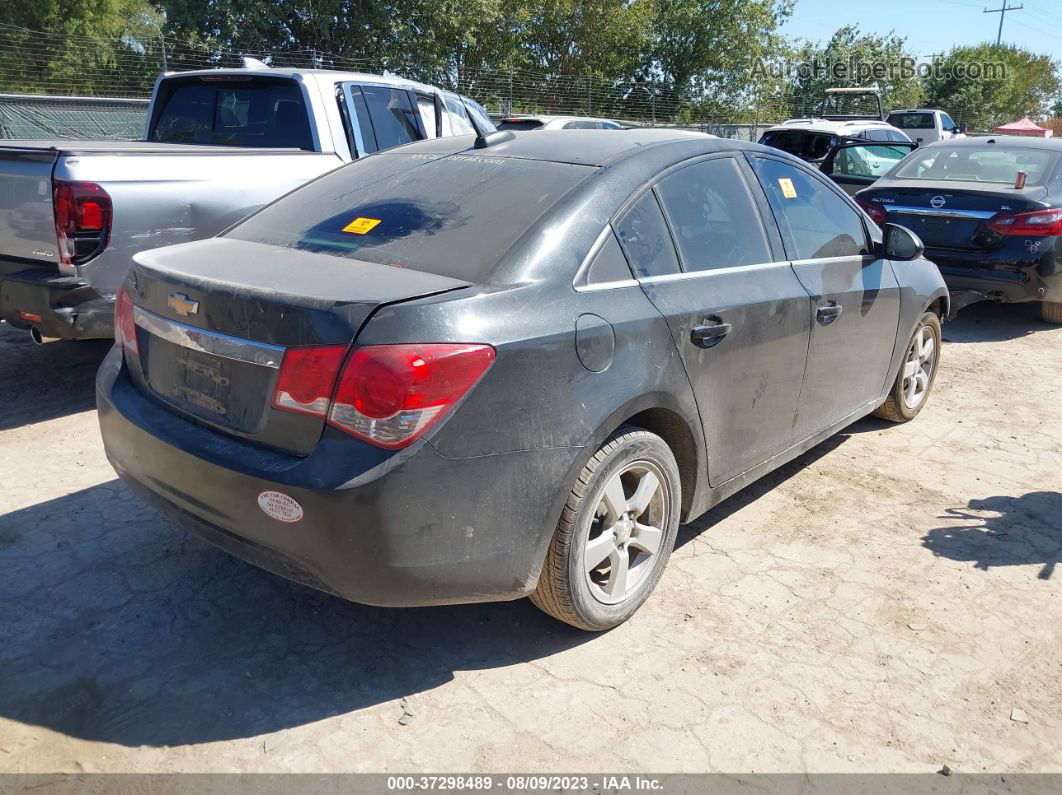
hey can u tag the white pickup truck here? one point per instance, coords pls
(219, 144)
(925, 125)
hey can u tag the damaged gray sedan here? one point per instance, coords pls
(468, 370)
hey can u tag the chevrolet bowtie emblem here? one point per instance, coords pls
(182, 304)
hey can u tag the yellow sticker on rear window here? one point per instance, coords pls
(361, 226)
(786, 185)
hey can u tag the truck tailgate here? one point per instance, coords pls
(27, 229)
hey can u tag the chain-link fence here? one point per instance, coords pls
(36, 63)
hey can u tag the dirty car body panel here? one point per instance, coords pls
(549, 262)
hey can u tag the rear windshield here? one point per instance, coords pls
(978, 164)
(519, 124)
(454, 215)
(253, 112)
(803, 144)
(912, 121)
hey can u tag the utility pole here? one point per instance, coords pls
(1002, 13)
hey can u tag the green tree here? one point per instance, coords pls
(850, 58)
(79, 46)
(988, 85)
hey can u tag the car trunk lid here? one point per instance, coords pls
(215, 317)
(954, 215)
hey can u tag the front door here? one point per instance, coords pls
(855, 297)
(737, 313)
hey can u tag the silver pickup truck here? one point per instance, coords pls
(219, 144)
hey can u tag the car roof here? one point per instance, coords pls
(326, 76)
(1012, 141)
(829, 126)
(579, 147)
(544, 118)
(916, 110)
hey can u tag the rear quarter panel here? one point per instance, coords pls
(164, 199)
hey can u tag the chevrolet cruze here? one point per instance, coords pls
(480, 370)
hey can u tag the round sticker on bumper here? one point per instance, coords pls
(280, 506)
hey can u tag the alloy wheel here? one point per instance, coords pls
(918, 367)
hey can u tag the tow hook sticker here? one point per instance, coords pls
(788, 190)
(280, 506)
(361, 226)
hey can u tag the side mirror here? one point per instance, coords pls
(900, 243)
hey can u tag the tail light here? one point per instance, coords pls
(875, 211)
(82, 220)
(1038, 222)
(124, 325)
(388, 395)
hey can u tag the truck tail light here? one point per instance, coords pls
(875, 211)
(1038, 222)
(124, 325)
(82, 213)
(388, 395)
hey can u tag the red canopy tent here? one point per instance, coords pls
(1024, 127)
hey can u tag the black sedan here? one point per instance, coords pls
(458, 371)
(990, 213)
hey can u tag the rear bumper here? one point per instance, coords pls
(1004, 281)
(67, 306)
(407, 529)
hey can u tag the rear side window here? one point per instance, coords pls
(645, 238)
(803, 144)
(712, 214)
(252, 112)
(453, 216)
(455, 111)
(386, 117)
(815, 221)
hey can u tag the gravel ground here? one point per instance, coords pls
(890, 601)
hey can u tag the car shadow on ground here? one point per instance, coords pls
(117, 627)
(1004, 531)
(42, 382)
(988, 321)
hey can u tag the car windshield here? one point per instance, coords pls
(451, 215)
(232, 111)
(987, 163)
(912, 121)
(803, 144)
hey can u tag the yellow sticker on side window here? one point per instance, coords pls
(361, 226)
(788, 190)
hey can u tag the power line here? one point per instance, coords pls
(1002, 14)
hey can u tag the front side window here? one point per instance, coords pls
(988, 163)
(946, 122)
(252, 112)
(645, 238)
(868, 161)
(815, 221)
(712, 214)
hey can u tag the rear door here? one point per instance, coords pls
(737, 313)
(855, 297)
(855, 166)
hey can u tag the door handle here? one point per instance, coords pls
(709, 335)
(829, 312)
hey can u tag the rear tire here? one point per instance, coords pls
(1051, 311)
(918, 373)
(623, 510)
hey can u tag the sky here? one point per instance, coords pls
(934, 26)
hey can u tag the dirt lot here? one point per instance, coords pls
(892, 601)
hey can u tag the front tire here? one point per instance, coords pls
(918, 373)
(615, 534)
(1051, 311)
